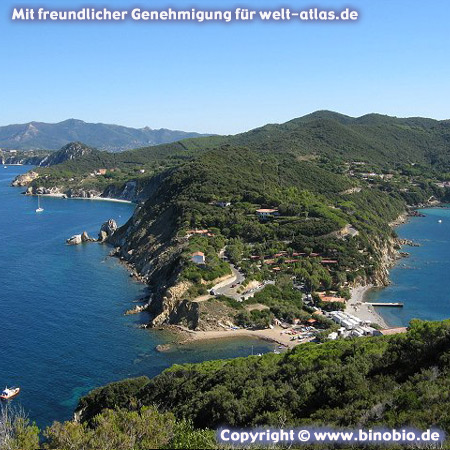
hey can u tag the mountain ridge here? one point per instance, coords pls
(36, 135)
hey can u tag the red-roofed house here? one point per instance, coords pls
(390, 331)
(330, 298)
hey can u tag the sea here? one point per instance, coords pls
(421, 281)
(63, 331)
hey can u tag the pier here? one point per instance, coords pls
(396, 304)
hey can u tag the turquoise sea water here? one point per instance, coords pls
(62, 329)
(421, 281)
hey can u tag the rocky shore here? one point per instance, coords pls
(107, 229)
(390, 256)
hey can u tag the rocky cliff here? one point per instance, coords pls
(29, 158)
(25, 179)
(149, 246)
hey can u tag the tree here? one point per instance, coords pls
(114, 430)
(16, 432)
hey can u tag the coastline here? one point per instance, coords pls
(103, 199)
(357, 305)
(360, 309)
(275, 335)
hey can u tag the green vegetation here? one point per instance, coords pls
(119, 429)
(336, 183)
(284, 303)
(394, 382)
(312, 213)
(369, 381)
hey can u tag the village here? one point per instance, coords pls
(354, 318)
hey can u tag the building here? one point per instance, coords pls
(223, 204)
(348, 321)
(331, 298)
(266, 213)
(190, 233)
(390, 331)
(100, 172)
(329, 261)
(198, 258)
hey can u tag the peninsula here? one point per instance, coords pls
(271, 229)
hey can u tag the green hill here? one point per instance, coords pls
(390, 382)
(329, 138)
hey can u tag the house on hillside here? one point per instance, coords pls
(266, 213)
(390, 331)
(330, 298)
(198, 258)
(100, 172)
(190, 233)
(223, 204)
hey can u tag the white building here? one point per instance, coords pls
(266, 213)
(198, 258)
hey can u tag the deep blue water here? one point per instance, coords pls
(62, 329)
(421, 281)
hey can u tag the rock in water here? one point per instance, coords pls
(102, 236)
(85, 237)
(107, 230)
(75, 240)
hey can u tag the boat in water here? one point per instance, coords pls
(9, 393)
(39, 209)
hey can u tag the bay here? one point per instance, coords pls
(62, 329)
(422, 280)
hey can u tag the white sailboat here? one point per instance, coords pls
(39, 209)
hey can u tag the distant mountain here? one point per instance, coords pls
(114, 138)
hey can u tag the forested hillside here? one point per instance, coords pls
(372, 138)
(333, 183)
(392, 381)
(305, 208)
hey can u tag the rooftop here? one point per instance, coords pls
(390, 331)
(266, 210)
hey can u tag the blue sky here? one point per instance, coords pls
(225, 78)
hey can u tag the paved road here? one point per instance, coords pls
(226, 289)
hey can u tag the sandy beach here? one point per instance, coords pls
(103, 199)
(275, 335)
(363, 311)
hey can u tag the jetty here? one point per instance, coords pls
(396, 304)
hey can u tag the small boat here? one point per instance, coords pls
(39, 209)
(440, 221)
(9, 393)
